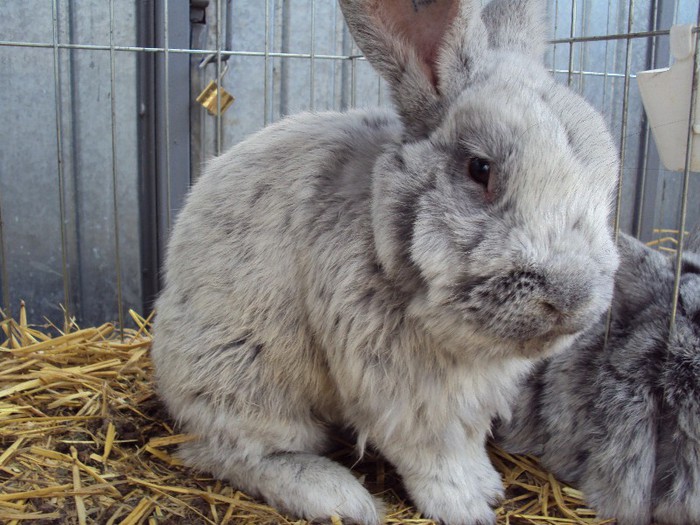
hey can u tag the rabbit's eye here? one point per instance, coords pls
(480, 171)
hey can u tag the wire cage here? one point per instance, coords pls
(103, 134)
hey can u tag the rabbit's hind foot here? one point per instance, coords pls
(300, 484)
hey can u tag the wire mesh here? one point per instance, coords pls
(596, 49)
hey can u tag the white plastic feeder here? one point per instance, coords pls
(666, 95)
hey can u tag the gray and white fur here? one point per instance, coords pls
(622, 421)
(394, 273)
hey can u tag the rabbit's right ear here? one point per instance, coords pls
(692, 241)
(425, 49)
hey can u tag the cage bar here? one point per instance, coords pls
(280, 54)
(59, 162)
(166, 116)
(115, 198)
(219, 73)
(686, 185)
(639, 205)
(572, 34)
(606, 68)
(312, 59)
(3, 266)
(266, 76)
(625, 115)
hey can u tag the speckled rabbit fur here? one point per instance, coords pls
(622, 421)
(348, 268)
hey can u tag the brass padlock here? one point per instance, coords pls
(208, 98)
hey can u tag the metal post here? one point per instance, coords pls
(166, 115)
(148, 162)
(172, 98)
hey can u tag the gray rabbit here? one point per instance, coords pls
(393, 273)
(623, 421)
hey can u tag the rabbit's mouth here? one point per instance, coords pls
(520, 307)
(526, 330)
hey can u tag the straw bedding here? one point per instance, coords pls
(84, 439)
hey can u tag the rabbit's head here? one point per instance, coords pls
(689, 290)
(644, 286)
(643, 299)
(681, 379)
(494, 210)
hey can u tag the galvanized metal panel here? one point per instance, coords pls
(29, 166)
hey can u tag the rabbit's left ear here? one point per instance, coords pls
(641, 278)
(516, 25)
(425, 49)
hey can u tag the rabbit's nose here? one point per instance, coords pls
(549, 308)
(563, 323)
(565, 304)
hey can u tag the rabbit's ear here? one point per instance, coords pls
(422, 48)
(641, 278)
(517, 25)
(692, 241)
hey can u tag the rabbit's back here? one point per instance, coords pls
(618, 414)
(233, 315)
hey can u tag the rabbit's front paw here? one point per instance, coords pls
(347, 500)
(463, 500)
(452, 504)
(315, 488)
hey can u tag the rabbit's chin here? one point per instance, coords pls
(529, 349)
(544, 346)
(556, 338)
(469, 337)
(472, 342)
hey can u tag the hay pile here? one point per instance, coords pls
(83, 439)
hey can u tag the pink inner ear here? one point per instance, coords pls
(422, 24)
